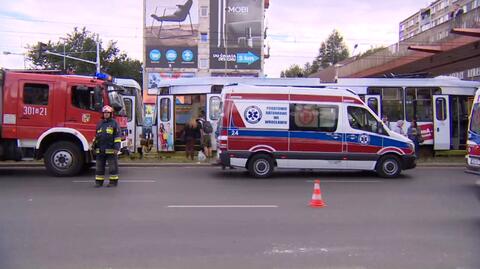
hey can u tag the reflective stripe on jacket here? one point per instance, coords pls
(107, 138)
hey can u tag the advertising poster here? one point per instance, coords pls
(170, 32)
(154, 78)
(236, 36)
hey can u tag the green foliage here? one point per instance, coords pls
(292, 72)
(81, 44)
(371, 52)
(331, 51)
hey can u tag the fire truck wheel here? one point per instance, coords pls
(260, 166)
(389, 166)
(64, 159)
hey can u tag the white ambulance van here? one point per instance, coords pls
(262, 128)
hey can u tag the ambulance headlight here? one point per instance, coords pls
(411, 146)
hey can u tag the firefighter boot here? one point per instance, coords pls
(113, 183)
(98, 183)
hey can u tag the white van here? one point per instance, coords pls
(306, 128)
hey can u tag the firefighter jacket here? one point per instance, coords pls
(107, 138)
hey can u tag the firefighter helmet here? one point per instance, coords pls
(108, 109)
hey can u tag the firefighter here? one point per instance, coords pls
(106, 145)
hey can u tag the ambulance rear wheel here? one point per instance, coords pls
(260, 166)
(64, 159)
(389, 166)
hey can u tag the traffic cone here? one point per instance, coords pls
(317, 196)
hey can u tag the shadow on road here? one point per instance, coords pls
(242, 174)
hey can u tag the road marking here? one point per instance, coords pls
(120, 181)
(346, 181)
(222, 206)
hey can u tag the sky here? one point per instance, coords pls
(295, 28)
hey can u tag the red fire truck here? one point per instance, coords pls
(53, 117)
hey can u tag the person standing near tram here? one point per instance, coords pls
(106, 145)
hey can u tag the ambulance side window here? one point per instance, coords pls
(361, 119)
(35, 94)
(311, 117)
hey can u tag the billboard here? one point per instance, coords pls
(170, 33)
(236, 36)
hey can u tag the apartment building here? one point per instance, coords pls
(437, 13)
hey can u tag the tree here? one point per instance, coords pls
(81, 44)
(332, 51)
(371, 52)
(292, 72)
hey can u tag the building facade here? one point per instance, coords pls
(436, 13)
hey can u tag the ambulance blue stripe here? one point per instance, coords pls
(375, 140)
(313, 135)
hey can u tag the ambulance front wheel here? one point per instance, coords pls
(260, 166)
(389, 166)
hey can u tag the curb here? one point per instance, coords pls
(159, 164)
(37, 164)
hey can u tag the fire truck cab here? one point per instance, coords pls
(53, 117)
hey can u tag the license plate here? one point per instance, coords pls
(475, 161)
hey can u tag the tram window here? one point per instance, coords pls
(372, 103)
(214, 105)
(419, 103)
(440, 107)
(128, 109)
(164, 109)
(392, 103)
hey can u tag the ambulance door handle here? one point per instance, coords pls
(24, 118)
(72, 120)
(336, 136)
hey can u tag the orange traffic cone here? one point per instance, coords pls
(317, 196)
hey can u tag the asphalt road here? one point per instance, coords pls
(202, 217)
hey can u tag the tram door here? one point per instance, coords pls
(166, 123)
(441, 122)
(374, 103)
(213, 114)
(131, 121)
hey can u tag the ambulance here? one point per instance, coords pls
(267, 128)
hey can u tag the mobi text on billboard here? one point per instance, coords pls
(236, 36)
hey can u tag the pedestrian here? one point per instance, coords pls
(398, 128)
(106, 145)
(414, 133)
(385, 121)
(207, 130)
(190, 133)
